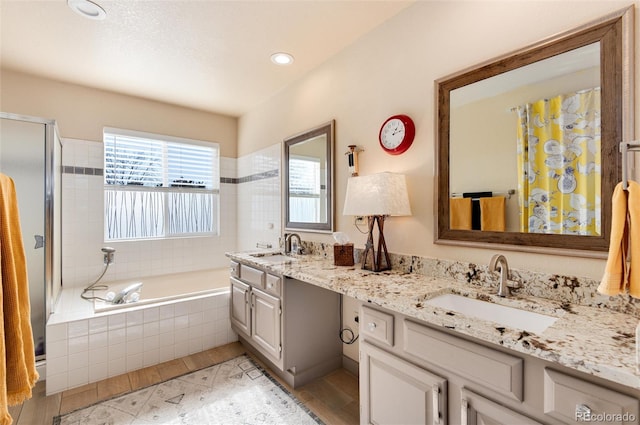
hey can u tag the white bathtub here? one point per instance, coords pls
(178, 315)
(169, 287)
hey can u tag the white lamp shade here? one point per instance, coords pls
(377, 194)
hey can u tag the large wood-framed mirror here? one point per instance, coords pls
(308, 180)
(491, 123)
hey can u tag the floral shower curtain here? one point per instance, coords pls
(559, 164)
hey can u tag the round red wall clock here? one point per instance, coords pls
(396, 134)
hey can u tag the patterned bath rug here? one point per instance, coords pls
(237, 391)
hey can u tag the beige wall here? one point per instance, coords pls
(392, 70)
(82, 112)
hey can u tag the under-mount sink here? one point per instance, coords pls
(507, 316)
(275, 258)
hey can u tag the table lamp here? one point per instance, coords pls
(376, 196)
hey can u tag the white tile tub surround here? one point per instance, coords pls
(89, 350)
(83, 228)
(81, 350)
(228, 206)
(260, 200)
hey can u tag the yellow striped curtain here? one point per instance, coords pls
(559, 162)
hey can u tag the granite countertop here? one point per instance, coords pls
(593, 340)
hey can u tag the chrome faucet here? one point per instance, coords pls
(295, 247)
(500, 261)
(125, 295)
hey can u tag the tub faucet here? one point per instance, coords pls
(292, 247)
(123, 296)
(500, 261)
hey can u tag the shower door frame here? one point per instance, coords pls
(51, 137)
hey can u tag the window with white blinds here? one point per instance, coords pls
(304, 189)
(159, 186)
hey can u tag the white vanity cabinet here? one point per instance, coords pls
(292, 325)
(265, 322)
(398, 391)
(257, 314)
(240, 306)
(414, 373)
(254, 312)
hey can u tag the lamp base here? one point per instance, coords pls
(375, 264)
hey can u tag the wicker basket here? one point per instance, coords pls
(343, 254)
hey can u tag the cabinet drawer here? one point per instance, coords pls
(476, 409)
(234, 269)
(253, 276)
(377, 325)
(492, 369)
(273, 285)
(575, 401)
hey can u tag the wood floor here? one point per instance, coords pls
(333, 398)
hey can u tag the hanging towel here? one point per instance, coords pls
(614, 280)
(460, 213)
(492, 214)
(17, 359)
(475, 207)
(633, 206)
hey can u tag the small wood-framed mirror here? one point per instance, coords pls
(479, 163)
(308, 180)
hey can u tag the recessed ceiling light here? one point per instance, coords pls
(87, 9)
(282, 58)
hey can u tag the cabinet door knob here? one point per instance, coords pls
(583, 412)
(269, 285)
(372, 326)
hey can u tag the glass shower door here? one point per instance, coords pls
(22, 157)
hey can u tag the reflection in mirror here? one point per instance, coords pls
(308, 180)
(527, 144)
(541, 125)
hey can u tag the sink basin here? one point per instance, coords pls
(275, 258)
(507, 316)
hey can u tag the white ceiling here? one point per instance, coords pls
(209, 54)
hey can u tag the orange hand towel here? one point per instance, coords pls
(633, 207)
(17, 358)
(492, 213)
(614, 280)
(460, 213)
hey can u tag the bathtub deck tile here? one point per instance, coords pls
(117, 321)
